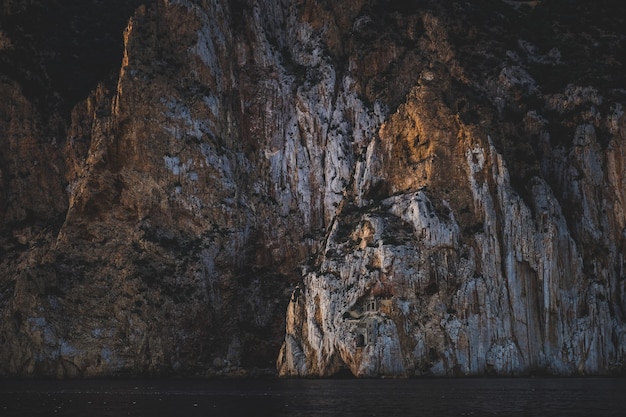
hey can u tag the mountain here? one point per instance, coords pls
(379, 187)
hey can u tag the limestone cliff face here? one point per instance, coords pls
(386, 188)
(489, 241)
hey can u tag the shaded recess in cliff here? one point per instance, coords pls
(63, 48)
(52, 55)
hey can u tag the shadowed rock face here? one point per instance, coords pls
(442, 185)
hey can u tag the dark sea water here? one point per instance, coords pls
(295, 397)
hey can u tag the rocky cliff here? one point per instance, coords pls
(381, 187)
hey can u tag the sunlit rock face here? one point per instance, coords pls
(382, 188)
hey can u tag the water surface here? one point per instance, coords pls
(311, 397)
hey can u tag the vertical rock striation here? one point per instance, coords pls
(385, 188)
(480, 228)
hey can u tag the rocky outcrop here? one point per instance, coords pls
(489, 234)
(384, 188)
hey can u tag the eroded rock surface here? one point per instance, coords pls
(387, 188)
